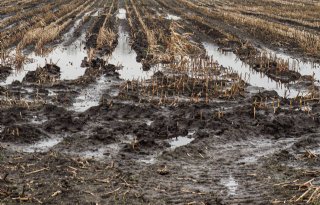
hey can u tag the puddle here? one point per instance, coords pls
(249, 160)
(99, 153)
(182, 140)
(90, 96)
(97, 12)
(149, 160)
(173, 17)
(37, 121)
(231, 184)
(148, 122)
(303, 67)
(41, 146)
(127, 139)
(125, 57)
(314, 150)
(174, 143)
(252, 77)
(122, 14)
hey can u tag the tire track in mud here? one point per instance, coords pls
(211, 169)
(226, 169)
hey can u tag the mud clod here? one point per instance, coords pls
(4, 72)
(22, 134)
(48, 73)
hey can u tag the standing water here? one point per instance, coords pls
(122, 56)
(91, 95)
(125, 57)
(303, 67)
(231, 184)
(252, 77)
(67, 57)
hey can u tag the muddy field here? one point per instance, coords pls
(159, 102)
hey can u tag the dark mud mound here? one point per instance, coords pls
(64, 122)
(266, 94)
(140, 45)
(4, 72)
(100, 65)
(125, 111)
(48, 73)
(162, 128)
(289, 126)
(308, 142)
(11, 115)
(65, 98)
(94, 30)
(101, 134)
(53, 111)
(2, 90)
(245, 51)
(21, 134)
(61, 120)
(274, 72)
(107, 48)
(62, 176)
(110, 70)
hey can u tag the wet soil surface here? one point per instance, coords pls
(125, 149)
(120, 152)
(4, 72)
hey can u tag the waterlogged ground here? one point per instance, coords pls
(77, 139)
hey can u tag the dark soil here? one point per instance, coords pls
(94, 31)
(21, 134)
(48, 73)
(111, 24)
(284, 76)
(205, 162)
(4, 72)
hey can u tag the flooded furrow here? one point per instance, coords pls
(125, 57)
(295, 64)
(68, 58)
(254, 78)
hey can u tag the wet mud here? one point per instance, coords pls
(116, 134)
(4, 72)
(142, 142)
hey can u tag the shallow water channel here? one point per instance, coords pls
(68, 56)
(125, 57)
(254, 78)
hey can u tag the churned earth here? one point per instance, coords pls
(118, 126)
